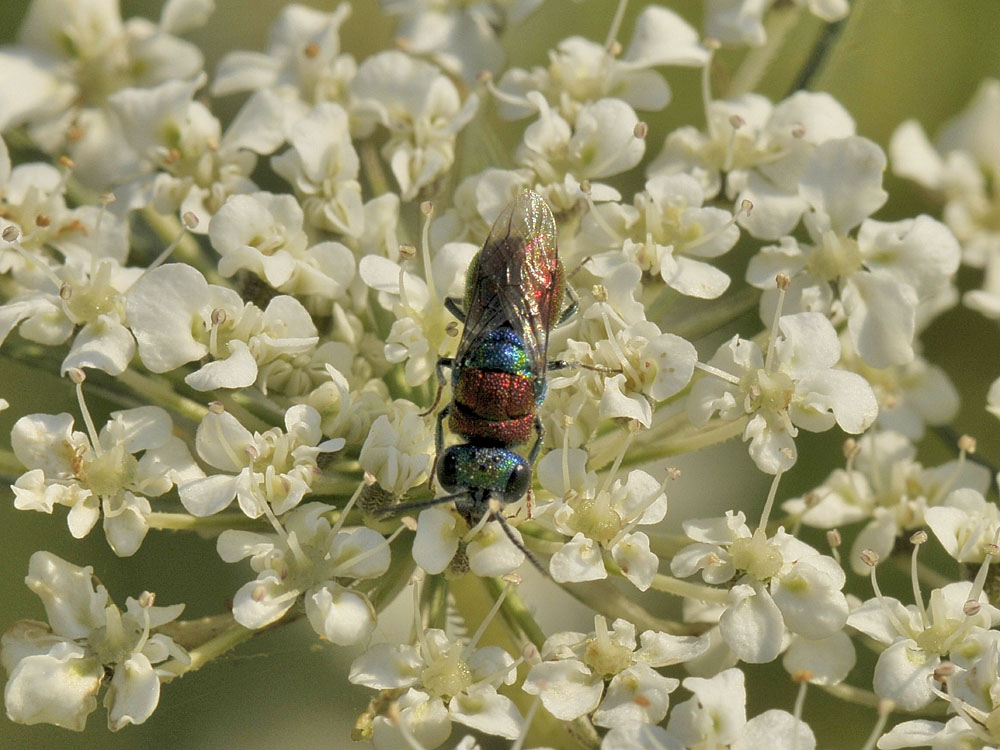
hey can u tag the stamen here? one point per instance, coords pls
(78, 376)
(712, 370)
(529, 715)
(633, 430)
(709, 236)
(365, 554)
(567, 422)
(783, 282)
(616, 24)
(870, 557)
(190, 222)
(350, 504)
(599, 220)
(471, 645)
(427, 209)
(885, 707)
(765, 514)
(966, 446)
(917, 539)
(800, 700)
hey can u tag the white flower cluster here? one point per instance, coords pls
(276, 306)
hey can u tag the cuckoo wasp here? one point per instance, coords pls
(514, 293)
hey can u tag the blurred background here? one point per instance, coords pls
(894, 60)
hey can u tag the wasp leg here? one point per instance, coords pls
(442, 363)
(438, 444)
(565, 364)
(540, 429)
(451, 304)
(498, 516)
(574, 301)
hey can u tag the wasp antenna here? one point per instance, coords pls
(393, 510)
(518, 543)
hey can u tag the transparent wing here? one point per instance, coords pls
(518, 280)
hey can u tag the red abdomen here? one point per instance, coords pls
(494, 406)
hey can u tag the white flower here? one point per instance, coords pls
(601, 142)
(56, 669)
(275, 468)
(421, 109)
(419, 335)
(780, 583)
(310, 558)
(71, 56)
(303, 63)
(742, 21)
(582, 71)
(322, 167)
(191, 166)
(889, 280)
(446, 672)
(397, 451)
(601, 519)
(798, 387)
(570, 680)
(886, 487)
(103, 478)
(965, 523)
(960, 169)
(177, 317)
(262, 233)
(462, 38)
(488, 549)
(918, 637)
(762, 148)
(667, 233)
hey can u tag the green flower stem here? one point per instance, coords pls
(158, 391)
(604, 598)
(371, 165)
(690, 440)
(231, 637)
(188, 249)
(670, 585)
(210, 524)
(10, 467)
(515, 612)
(716, 315)
(781, 19)
(862, 697)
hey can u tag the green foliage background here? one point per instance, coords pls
(895, 59)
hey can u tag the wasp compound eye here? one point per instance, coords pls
(517, 483)
(447, 471)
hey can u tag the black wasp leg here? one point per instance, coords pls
(565, 364)
(574, 300)
(451, 304)
(498, 517)
(570, 310)
(438, 444)
(540, 429)
(442, 363)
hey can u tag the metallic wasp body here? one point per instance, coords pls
(514, 292)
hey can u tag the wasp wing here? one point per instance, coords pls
(517, 280)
